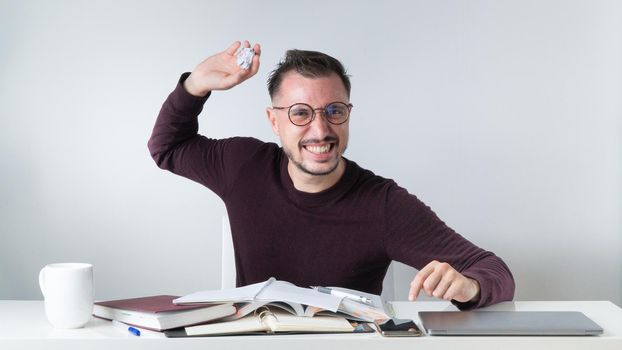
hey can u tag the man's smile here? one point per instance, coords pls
(319, 149)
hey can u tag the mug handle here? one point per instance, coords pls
(42, 280)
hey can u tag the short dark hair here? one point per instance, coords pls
(310, 64)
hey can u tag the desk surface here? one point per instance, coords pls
(23, 325)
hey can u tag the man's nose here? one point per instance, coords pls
(320, 122)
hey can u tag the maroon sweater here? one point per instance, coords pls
(343, 236)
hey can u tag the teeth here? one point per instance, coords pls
(318, 149)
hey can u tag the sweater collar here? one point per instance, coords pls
(321, 198)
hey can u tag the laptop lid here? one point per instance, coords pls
(508, 323)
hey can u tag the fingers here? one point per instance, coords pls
(417, 283)
(257, 49)
(255, 63)
(441, 291)
(254, 68)
(442, 281)
(236, 74)
(453, 292)
(245, 74)
(231, 50)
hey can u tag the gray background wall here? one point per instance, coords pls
(504, 116)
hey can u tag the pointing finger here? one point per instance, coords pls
(417, 283)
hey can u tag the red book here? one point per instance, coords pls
(159, 313)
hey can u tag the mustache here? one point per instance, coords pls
(327, 139)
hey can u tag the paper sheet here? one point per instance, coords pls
(245, 57)
(281, 290)
(246, 293)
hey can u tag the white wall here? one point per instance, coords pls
(503, 116)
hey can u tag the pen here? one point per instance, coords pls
(341, 294)
(123, 326)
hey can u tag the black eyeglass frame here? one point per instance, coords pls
(323, 109)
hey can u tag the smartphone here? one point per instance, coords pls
(395, 327)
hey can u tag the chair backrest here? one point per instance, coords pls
(388, 284)
(228, 273)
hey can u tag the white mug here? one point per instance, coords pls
(68, 292)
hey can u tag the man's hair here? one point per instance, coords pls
(309, 64)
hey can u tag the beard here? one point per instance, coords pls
(302, 167)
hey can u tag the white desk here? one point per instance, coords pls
(23, 326)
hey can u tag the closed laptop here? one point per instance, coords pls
(508, 323)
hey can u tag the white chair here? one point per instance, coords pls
(388, 284)
(228, 265)
(227, 279)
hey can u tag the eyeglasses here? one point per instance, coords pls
(302, 114)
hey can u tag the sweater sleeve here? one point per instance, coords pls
(416, 236)
(175, 144)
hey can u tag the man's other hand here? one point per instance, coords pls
(442, 281)
(221, 71)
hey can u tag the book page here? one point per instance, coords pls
(375, 299)
(269, 290)
(248, 324)
(354, 310)
(246, 293)
(362, 311)
(279, 321)
(285, 291)
(291, 307)
(244, 309)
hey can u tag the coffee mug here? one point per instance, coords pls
(68, 292)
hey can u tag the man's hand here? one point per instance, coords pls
(442, 281)
(221, 71)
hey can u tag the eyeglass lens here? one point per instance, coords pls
(335, 113)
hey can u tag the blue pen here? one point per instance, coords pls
(123, 326)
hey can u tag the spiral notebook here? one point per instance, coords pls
(271, 321)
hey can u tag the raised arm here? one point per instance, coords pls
(175, 144)
(221, 71)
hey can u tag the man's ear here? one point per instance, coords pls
(274, 123)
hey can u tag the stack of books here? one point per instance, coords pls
(268, 307)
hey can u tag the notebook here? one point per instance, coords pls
(508, 323)
(271, 321)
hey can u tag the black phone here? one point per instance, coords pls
(395, 327)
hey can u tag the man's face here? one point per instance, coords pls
(315, 148)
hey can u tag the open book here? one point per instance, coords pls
(271, 321)
(297, 301)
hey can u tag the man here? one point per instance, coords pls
(303, 213)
